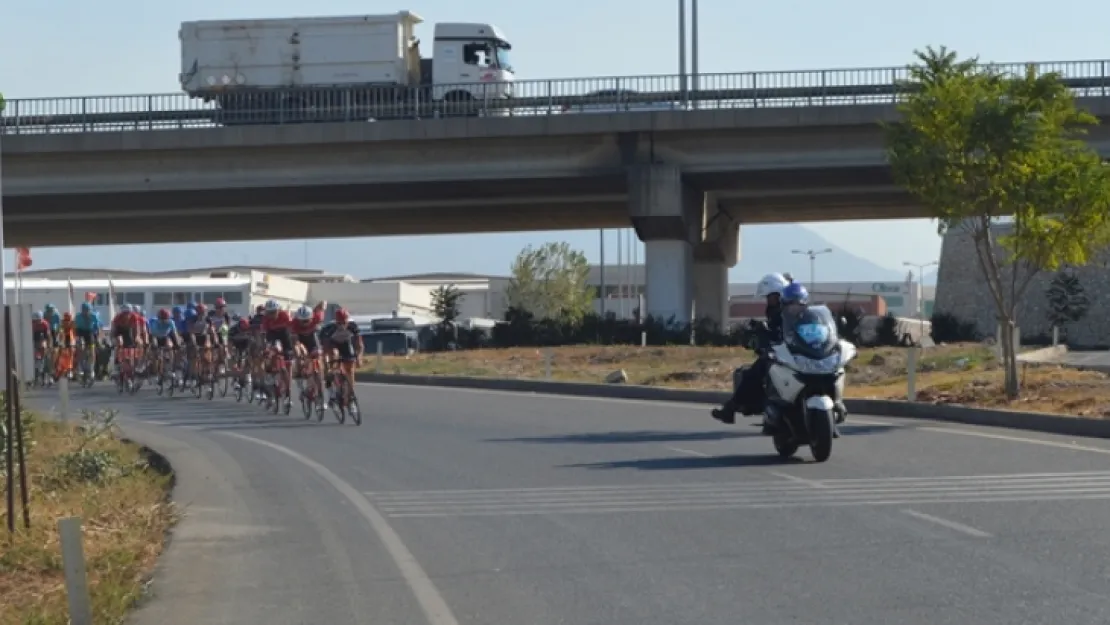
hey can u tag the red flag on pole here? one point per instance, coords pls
(22, 258)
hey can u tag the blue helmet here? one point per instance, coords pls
(48, 307)
(177, 311)
(191, 306)
(85, 307)
(795, 293)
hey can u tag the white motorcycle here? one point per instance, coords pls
(805, 383)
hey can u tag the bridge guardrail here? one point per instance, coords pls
(530, 97)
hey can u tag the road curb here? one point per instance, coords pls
(1032, 421)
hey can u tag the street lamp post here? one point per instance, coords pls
(812, 254)
(921, 300)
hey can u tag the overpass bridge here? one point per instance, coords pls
(685, 178)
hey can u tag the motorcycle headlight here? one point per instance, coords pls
(829, 364)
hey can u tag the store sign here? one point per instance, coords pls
(881, 287)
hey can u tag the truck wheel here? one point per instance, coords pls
(459, 104)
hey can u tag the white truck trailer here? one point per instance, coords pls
(317, 68)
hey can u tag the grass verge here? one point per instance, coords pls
(120, 491)
(960, 373)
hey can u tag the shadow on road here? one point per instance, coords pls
(675, 463)
(636, 436)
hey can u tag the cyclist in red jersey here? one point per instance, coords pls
(306, 329)
(277, 327)
(125, 331)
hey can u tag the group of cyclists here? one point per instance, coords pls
(194, 346)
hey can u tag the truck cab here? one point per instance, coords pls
(471, 60)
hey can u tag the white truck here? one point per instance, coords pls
(342, 68)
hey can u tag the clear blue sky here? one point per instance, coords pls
(71, 47)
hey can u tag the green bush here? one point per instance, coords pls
(947, 328)
(521, 329)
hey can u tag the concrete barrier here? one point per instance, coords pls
(1032, 421)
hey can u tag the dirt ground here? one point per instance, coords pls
(958, 373)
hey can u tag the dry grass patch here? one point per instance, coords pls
(1045, 388)
(84, 470)
(966, 373)
(674, 366)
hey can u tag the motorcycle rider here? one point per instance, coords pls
(748, 398)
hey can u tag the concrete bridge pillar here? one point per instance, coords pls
(718, 250)
(666, 214)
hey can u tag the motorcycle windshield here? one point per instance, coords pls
(810, 332)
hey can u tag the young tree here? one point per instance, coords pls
(550, 282)
(445, 302)
(975, 144)
(1067, 299)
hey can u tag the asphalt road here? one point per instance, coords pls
(476, 507)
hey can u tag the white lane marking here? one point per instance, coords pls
(1017, 439)
(952, 525)
(910, 482)
(799, 480)
(427, 595)
(686, 507)
(689, 452)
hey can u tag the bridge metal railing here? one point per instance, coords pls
(631, 94)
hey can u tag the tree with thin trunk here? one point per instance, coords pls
(976, 144)
(550, 282)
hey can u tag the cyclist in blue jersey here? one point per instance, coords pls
(87, 323)
(163, 332)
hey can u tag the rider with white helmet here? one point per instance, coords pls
(748, 397)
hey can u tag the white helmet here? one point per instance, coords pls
(771, 283)
(304, 313)
(272, 306)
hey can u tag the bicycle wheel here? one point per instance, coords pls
(352, 404)
(225, 381)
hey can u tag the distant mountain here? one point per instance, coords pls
(768, 248)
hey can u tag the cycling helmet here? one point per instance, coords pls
(163, 314)
(201, 309)
(272, 306)
(48, 307)
(36, 316)
(258, 310)
(771, 283)
(341, 316)
(126, 308)
(177, 311)
(795, 293)
(67, 317)
(220, 303)
(244, 324)
(304, 313)
(191, 306)
(85, 307)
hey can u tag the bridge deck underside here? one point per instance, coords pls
(598, 200)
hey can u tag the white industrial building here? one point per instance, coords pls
(484, 296)
(245, 287)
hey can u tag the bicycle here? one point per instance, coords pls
(43, 364)
(242, 371)
(125, 380)
(205, 373)
(84, 364)
(164, 364)
(311, 392)
(277, 366)
(343, 401)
